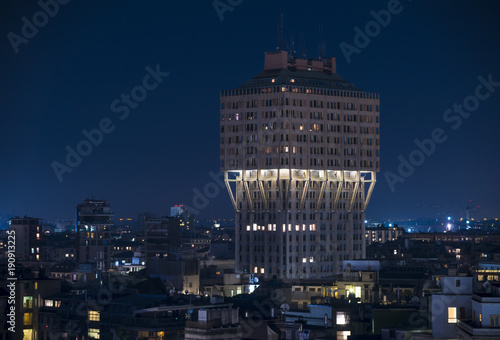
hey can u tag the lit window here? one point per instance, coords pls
(28, 319)
(343, 335)
(452, 314)
(28, 302)
(94, 316)
(341, 318)
(94, 333)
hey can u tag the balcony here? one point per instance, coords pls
(469, 329)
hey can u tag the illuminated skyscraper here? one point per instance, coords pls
(300, 151)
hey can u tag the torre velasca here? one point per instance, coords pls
(300, 149)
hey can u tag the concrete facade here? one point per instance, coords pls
(300, 150)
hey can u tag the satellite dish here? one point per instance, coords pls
(285, 307)
(256, 280)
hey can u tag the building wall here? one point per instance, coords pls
(441, 325)
(28, 235)
(382, 234)
(456, 292)
(486, 308)
(162, 235)
(93, 224)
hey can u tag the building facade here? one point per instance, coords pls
(28, 237)
(299, 147)
(382, 234)
(93, 223)
(162, 236)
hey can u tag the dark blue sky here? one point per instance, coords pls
(65, 78)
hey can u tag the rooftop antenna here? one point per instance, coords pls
(280, 38)
(302, 45)
(293, 45)
(322, 44)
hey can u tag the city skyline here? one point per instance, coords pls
(152, 153)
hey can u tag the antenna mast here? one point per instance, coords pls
(281, 31)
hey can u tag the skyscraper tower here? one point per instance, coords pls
(299, 148)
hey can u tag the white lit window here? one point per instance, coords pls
(341, 318)
(357, 292)
(248, 228)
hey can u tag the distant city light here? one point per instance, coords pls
(366, 221)
(449, 226)
(390, 224)
(449, 218)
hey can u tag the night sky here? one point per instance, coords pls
(65, 78)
